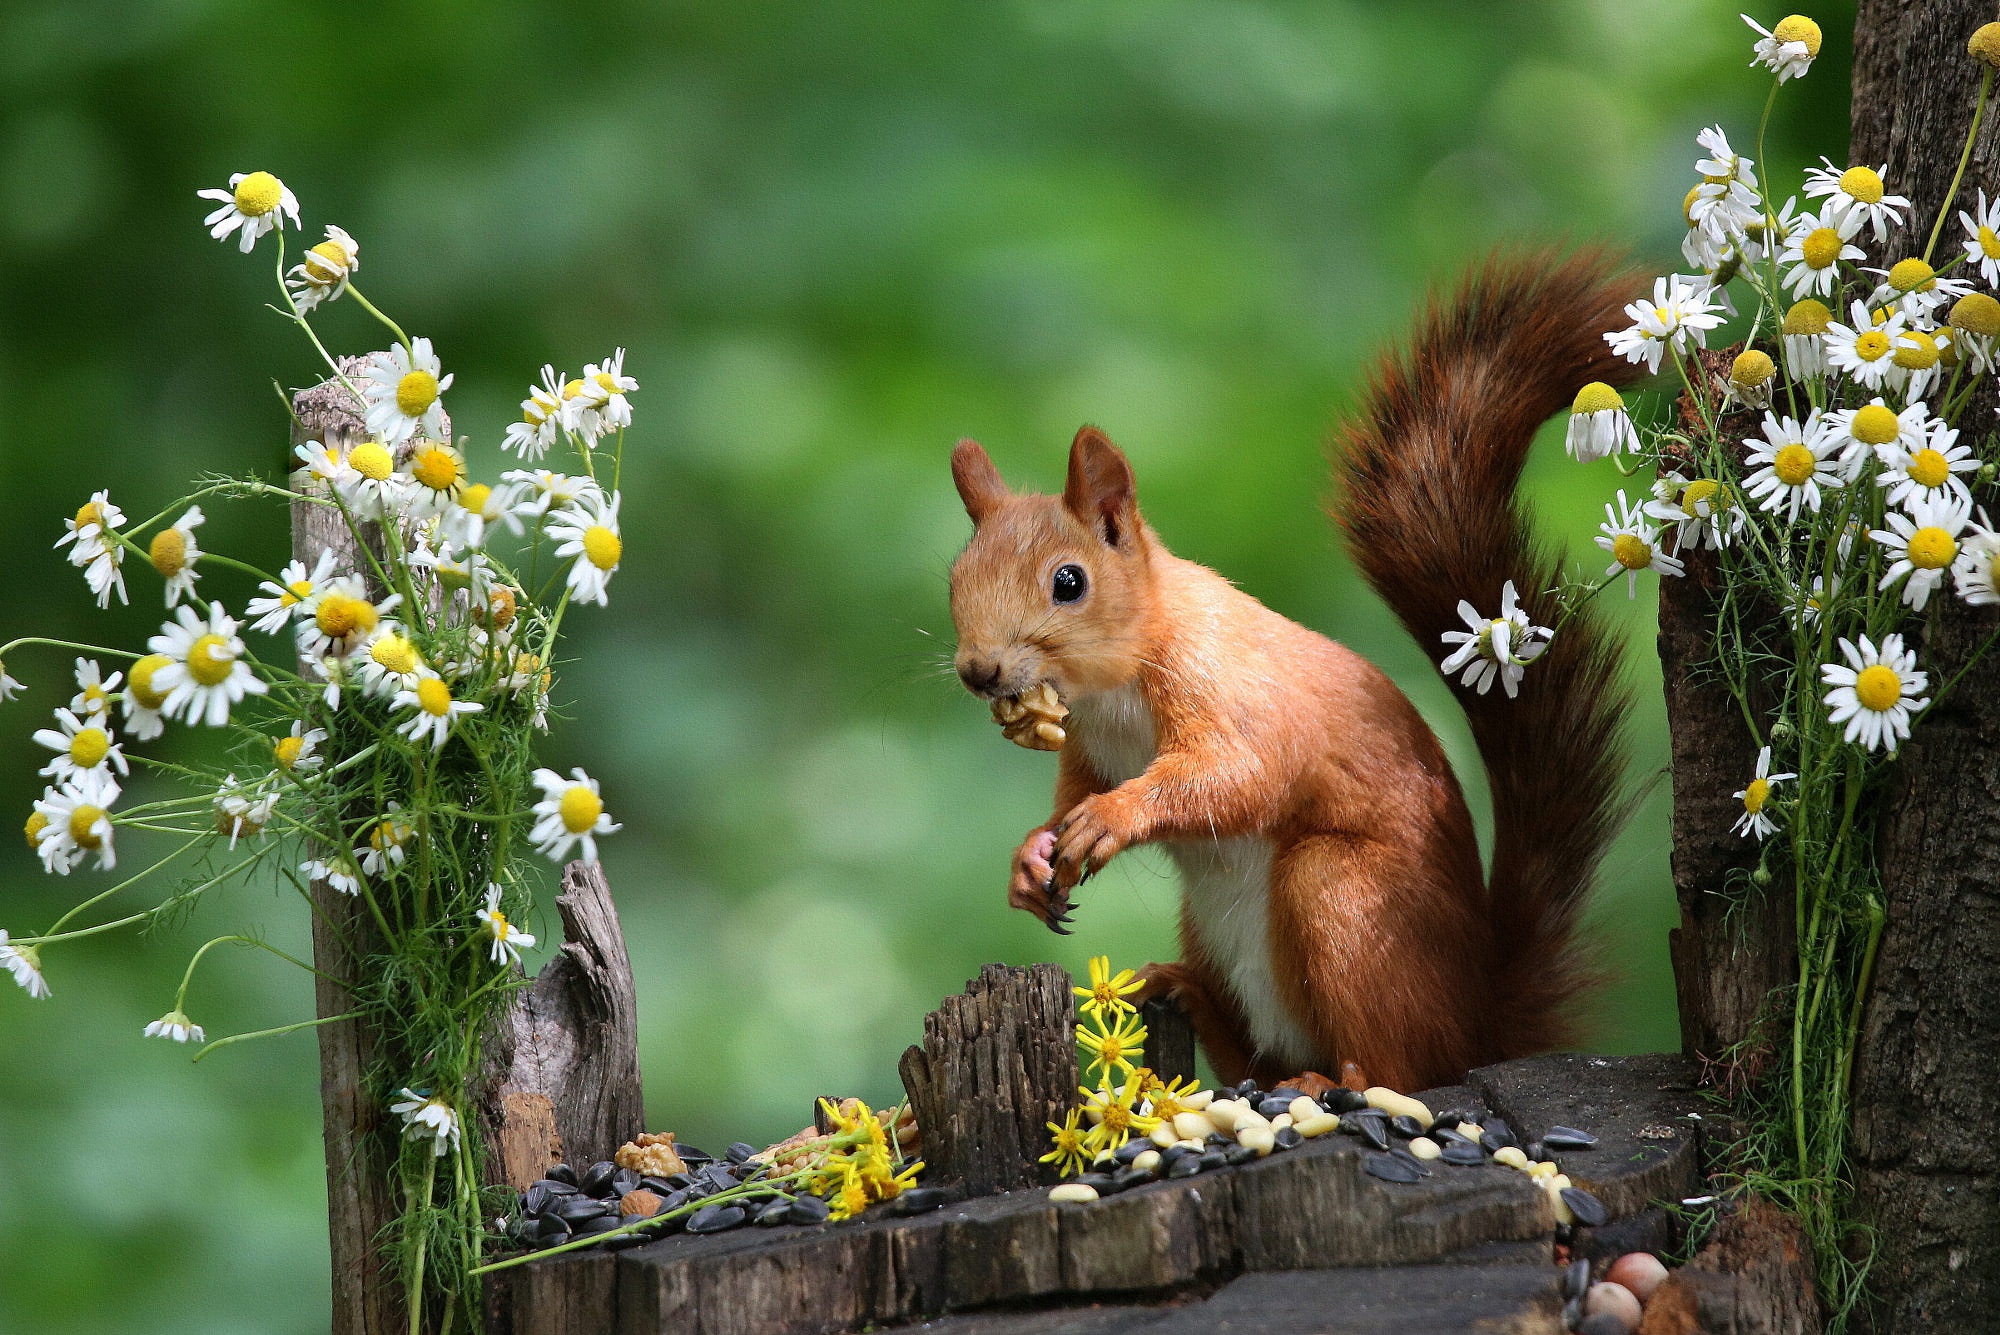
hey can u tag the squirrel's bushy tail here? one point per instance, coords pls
(1427, 468)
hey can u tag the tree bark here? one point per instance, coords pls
(1929, 1053)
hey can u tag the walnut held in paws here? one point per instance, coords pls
(1033, 719)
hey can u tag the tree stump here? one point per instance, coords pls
(1169, 1038)
(997, 1064)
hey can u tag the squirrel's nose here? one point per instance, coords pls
(979, 675)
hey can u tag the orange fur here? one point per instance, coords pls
(1334, 909)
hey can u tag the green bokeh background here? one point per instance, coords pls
(834, 238)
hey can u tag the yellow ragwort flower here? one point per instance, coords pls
(1115, 1050)
(1107, 993)
(1117, 1120)
(1070, 1153)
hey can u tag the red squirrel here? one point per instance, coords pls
(1333, 908)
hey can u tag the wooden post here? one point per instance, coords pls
(997, 1064)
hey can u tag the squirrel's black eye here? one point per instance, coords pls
(1068, 584)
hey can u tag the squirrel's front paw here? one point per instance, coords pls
(1096, 830)
(1032, 886)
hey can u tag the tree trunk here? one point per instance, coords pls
(1927, 1174)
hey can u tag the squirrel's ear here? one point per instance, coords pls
(979, 484)
(1100, 490)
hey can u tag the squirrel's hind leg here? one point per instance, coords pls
(1219, 1024)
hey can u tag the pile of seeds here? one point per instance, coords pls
(1406, 1139)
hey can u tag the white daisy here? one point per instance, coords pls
(322, 275)
(1930, 472)
(1804, 333)
(432, 710)
(337, 618)
(1917, 363)
(437, 475)
(78, 813)
(542, 417)
(571, 812)
(1725, 203)
(174, 552)
(599, 406)
(1633, 543)
(537, 492)
(91, 529)
(175, 1025)
(1790, 465)
(326, 462)
(297, 752)
(403, 389)
(1599, 426)
(477, 508)
(1677, 315)
(388, 663)
(254, 203)
(1874, 693)
(1755, 795)
(1864, 350)
(81, 745)
(452, 568)
(1916, 290)
(508, 940)
(1924, 543)
(25, 964)
(331, 669)
(1974, 572)
(1982, 238)
(1811, 259)
(1703, 511)
(428, 1118)
(1498, 648)
(1814, 600)
(1860, 433)
(1788, 49)
(243, 810)
(94, 691)
(282, 599)
(387, 846)
(205, 675)
(369, 484)
(9, 687)
(340, 873)
(587, 530)
(143, 699)
(1856, 191)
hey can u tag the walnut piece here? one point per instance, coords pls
(650, 1154)
(1033, 719)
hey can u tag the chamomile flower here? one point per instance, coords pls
(24, 963)
(243, 810)
(205, 675)
(1788, 49)
(144, 698)
(1982, 238)
(1974, 572)
(1865, 350)
(176, 1026)
(174, 552)
(433, 711)
(339, 872)
(337, 617)
(403, 388)
(1755, 796)
(1874, 692)
(297, 752)
(1703, 511)
(1599, 426)
(80, 745)
(90, 531)
(1677, 315)
(1856, 191)
(1929, 472)
(94, 691)
(1803, 334)
(9, 687)
(427, 1117)
(587, 530)
(1634, 544)
(1790, 466)
(1752, 376)
(369, 484)
(508, 940)
(538, 492)
(322, 275)
(331, 669)
(571, 812)
(437, 474)
(327, 463)
(282, 599)
(388, 844)
(78, 815)
(1811, 259)
(1917, 362)
(1497, 648)
(1924, 543)
(599, 405)
(254, 203)
(388, 663)
(1861, 433)
(477, 508)
(1725, 203)
(542, 417)
(1915, 289)
(1814, 599)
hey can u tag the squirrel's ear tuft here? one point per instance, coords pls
(1100, 490)
(979, 484)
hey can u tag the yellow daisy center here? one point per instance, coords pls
(437, 468)
(1916, 351)
(1932, 548)
(210, 660)
(1821, 247)
(1687, 204)
(83, 826)
(475, 497)
(372, 460)
(286, 750)
(325, 264)
(257, 194)
(1633, 552)
(142, 681)
(1912, 275)
(501, 607)
(1863, 184)
(1928, 468)
(1985, 44)
(1976, 313)
(1877, 687)
(572, 389)
(538, 407)
(1875, 425)
(395, 654)
(608, 383)
(416, 392)
(1117, 1118)
(1989, 242)
(1871, 346)
(602, 547)
(169, 552)
(580, 808)
(1798, 28)
(89, 513)
(1751, 368)
(296, 592)
(1597, 397)
(496, 923)
(386, 835)
(1808, 317)
(37, 822)
(1758, 793)
(1697, 493)
(340, 616)
(95, 698)
(89, 747)
(434, 697)
(1794, 464)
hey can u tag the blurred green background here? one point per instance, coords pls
(834, 238)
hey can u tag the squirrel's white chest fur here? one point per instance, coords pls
(1226, 882)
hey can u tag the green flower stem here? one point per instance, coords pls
(180, 997)
(373, 310)
(1877, 917)
(414, 1291)
(103, 895)
(732, 1193)
(12, 645)
(54, 935)
(273, 1033)
(1965, 156)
